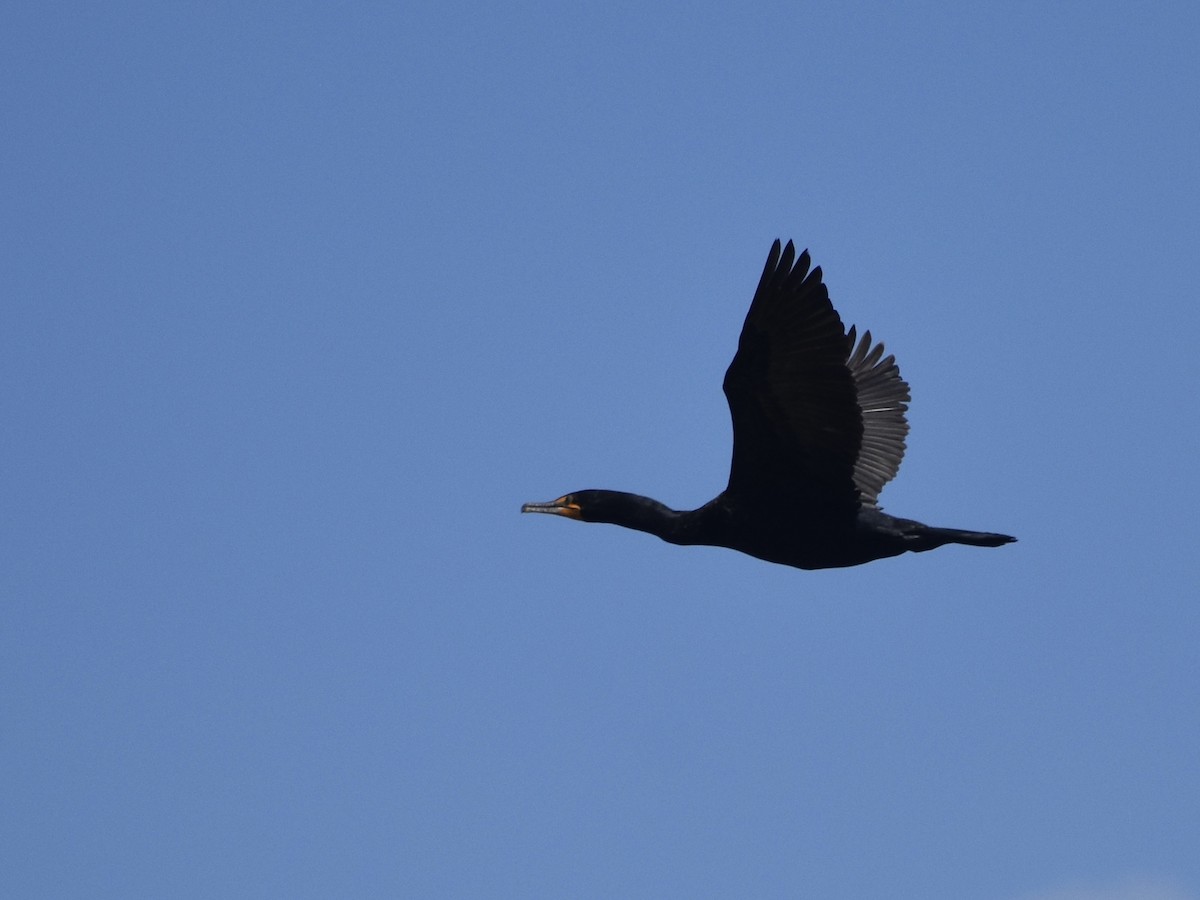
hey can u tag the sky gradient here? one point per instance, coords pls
(301, 303)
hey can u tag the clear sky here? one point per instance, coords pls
(300, 302)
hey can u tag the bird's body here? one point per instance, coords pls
(818, 430)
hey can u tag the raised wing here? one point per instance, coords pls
(883, 399)
(818, 421)
(797, 428)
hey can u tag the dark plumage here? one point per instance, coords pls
(818, 430)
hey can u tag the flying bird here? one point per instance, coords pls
(818, 430)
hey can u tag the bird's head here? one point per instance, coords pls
(613, 507)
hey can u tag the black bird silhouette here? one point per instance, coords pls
(818, 430)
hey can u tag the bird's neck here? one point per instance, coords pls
(645, 514)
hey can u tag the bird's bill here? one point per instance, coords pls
(563, 506)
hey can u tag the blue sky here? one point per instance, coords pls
(302, 301)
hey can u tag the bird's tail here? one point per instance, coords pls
(973, 538)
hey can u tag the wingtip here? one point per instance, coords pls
(772, 260)
(787, 271)
(788, 257)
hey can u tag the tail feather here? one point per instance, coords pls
(973, 538)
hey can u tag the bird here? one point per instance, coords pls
(819, 428)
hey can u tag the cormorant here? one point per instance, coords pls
(818, 430)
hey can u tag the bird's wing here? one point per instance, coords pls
(882, 399)
(797, 429)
